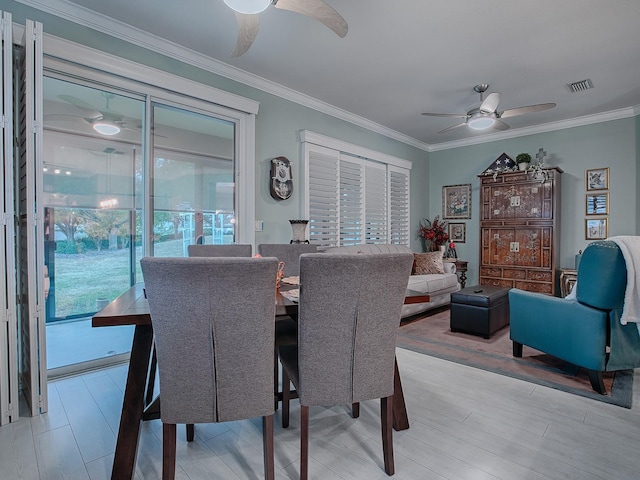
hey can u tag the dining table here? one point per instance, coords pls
(141, 404)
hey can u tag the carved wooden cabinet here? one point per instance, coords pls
(519, 230)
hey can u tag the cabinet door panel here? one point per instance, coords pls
(529, 246)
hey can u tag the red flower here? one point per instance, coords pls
(434, 231)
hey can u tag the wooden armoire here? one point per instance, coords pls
(520, 229)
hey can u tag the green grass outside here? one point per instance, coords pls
(82, 279)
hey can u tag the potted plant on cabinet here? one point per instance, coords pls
(523, 160)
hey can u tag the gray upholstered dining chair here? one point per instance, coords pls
(222, 311)
(348, 316)
(289, 253)
(230, 250)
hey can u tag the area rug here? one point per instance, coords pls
(431, 335)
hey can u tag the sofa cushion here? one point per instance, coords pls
(427, 263)
(433, 283)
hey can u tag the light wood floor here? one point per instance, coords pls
(465, 424)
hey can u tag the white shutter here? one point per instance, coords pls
(351, 201)
(398, 205)
(9, 321)
(322, 198)
(376, 197)
(28, 85)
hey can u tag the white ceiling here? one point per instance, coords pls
(404, 57)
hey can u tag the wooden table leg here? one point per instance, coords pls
(124, 461)
(400, 417)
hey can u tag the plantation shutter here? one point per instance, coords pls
(376, 196)
(28, 87)
(351, 202)
(322, 187)
(9, 321)
(350, 199)
(398, 205)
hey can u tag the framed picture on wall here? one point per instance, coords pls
(456, 201)
(597, 203)
(596, 228)
(597, 179)
(458, 232)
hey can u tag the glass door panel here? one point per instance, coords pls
(193, 193)
(92, 146)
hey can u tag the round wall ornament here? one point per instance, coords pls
(281, 182)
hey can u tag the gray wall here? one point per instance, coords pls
(278, 124)
(611, 144)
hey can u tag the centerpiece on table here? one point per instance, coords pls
(433, 234)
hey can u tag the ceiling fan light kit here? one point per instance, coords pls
(106, 128)
(248, 7)
(487, 115)
(249, 21)
(481, 121)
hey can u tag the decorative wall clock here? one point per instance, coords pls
(281, 183)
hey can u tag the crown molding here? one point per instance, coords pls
(88, 18)
(544, 128)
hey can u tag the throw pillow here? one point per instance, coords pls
(426, 263)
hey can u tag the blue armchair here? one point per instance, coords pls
(580, 330)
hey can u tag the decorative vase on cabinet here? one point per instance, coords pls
(519, 230)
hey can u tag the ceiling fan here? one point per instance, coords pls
(248, 20)
(103, 121)
(487, 114)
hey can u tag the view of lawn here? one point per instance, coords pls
(81, 279)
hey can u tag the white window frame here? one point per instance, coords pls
(329, 153)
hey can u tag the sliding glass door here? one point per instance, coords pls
(125, 175)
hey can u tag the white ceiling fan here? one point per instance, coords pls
(103, 121)
(487, 115)
(248, 19)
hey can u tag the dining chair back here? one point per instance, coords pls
(231, 250)
(348, 317)
(289, 253)
(221, 311)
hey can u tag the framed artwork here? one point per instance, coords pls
(456, 201)
(597, 179)
(458, 232)
(597, 203)
(596, 229)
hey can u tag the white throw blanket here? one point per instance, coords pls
(630, 247)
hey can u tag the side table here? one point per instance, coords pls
(461, 269)
(568, 278)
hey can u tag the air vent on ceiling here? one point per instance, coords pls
(581, 85)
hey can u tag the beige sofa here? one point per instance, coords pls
(438, 286)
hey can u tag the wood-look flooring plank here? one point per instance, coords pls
(94, 435)
(17, 451)
(108, 397)
(58, 456)
(55, 417)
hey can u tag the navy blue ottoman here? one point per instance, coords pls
(480, 310)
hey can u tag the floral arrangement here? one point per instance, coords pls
(434, 233)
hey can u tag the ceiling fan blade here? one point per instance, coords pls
(318, 10)
(500, 125)
(448, 129)
(60, 116)
(247, 30)
(90, 110)
(449, 115)
(512, 112)
(490, 103)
